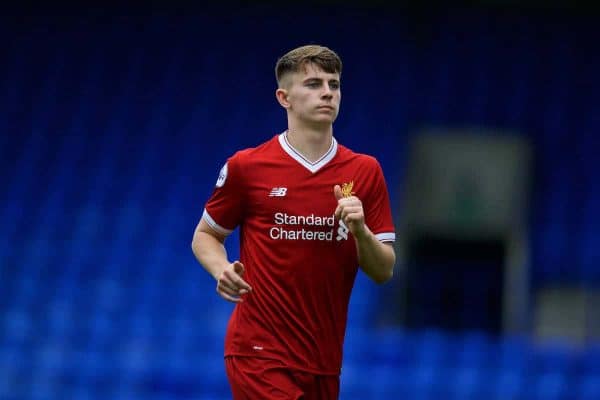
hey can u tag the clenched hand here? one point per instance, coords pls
(350, 211)
(230, 284)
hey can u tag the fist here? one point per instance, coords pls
(350, 211)
(230, 284)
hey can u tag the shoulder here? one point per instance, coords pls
(248, 156)
(364, 160)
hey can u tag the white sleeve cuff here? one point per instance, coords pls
(386, 237)
(218, 228)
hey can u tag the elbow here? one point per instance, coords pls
(383, 271)
(385, 276)
(387, 270)
(195, 242)
(194, 250)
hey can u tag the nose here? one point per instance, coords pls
(327, 93)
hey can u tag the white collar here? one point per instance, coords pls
(311, 166)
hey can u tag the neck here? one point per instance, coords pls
(310, 141)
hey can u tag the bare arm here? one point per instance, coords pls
(207, 246)
(375, 258)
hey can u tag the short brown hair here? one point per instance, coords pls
(323, 57)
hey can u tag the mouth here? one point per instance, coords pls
(330, 108)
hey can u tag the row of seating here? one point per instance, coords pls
(188, 363)
(114, 107)
(111, 138)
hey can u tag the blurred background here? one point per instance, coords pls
(114, 123)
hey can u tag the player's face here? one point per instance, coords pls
(314, 95)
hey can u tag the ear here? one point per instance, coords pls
(282, 98)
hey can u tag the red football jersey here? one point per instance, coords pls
(300, 261)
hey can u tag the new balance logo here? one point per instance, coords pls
(278, 192)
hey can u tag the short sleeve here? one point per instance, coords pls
(378, 213)
(223, 210)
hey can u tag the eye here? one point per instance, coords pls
(334, 85)
(313, 84)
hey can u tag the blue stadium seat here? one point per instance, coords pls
(466, 382)
(508, 384)
(589, 387)
(107, 168)
(551, 386)
(354, 381)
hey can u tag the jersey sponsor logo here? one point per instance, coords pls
(342, 232)
(278, 192)
(222, 176)
(347, 189)
(307, 227)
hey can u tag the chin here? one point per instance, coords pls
(325, 119)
